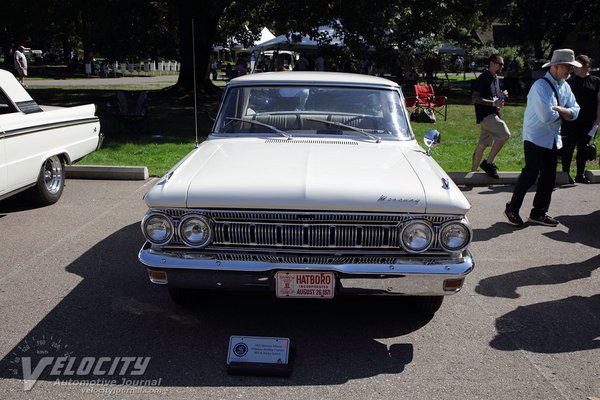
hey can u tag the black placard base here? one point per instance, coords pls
(261, 369)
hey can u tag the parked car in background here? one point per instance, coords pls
(37, 141)
(310, 185)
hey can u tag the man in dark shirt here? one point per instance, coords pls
(488, 100)
(586, 89)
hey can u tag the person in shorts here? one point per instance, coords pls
(21, 64)
(488, 100)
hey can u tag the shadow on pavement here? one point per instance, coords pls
(506, 285)
(16, 203)
(115, 312)
(558, 326)
(584, 229)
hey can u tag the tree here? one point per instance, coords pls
(545, 24)
(380, 24)
(204, 15)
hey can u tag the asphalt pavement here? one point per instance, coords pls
(525, 326)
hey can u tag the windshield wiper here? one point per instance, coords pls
(342, 125)
(251, 121)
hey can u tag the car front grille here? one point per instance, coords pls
(306, 235)
(306, 230)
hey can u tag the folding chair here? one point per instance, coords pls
(426, 98)
(131, 108)
(411, 103)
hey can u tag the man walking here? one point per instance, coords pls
(488, 100)
(21, 64)
(549, 102)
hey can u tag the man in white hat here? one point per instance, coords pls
(549, 102)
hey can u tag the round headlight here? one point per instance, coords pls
(416, 236)
(157, 228)
(455, 236)
(195, 230)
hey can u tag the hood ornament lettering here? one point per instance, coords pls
(398, 200)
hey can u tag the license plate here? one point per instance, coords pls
(314, 285)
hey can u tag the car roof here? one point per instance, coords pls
(311, 78)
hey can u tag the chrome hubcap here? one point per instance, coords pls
(53, 175)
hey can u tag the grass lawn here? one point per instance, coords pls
(460, 136)
(169, 134)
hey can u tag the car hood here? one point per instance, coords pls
(309, 174)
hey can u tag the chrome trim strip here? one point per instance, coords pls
(166, 260)
(29, 107)
(46, 127)
(395, 252)
(307, 216)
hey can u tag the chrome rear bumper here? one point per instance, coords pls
(415, 277)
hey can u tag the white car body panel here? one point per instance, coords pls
(250, 173)
(28, 139)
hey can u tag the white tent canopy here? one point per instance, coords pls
(282, 42)
(265, 36)
(447, 48)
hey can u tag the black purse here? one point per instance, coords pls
(590, 148)
(590, 152)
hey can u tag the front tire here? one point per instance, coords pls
(50, 183)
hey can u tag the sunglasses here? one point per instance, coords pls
(499, 63)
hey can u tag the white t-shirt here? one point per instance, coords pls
(20, 56)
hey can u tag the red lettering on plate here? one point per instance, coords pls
(313, 279)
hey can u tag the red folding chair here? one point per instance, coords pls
(426, 98)
(411, 103)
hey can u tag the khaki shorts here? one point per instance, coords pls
(492, 129)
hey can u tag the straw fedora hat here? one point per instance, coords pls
(563, 56)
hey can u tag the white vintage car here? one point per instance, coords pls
(37, 141)
(311, 185)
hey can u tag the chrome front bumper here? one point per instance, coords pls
(414, 277)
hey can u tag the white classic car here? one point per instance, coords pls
(37, 141)
(311, 185)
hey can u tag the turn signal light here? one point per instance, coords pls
(158, 277)
(452, 285)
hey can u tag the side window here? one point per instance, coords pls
(6, 106)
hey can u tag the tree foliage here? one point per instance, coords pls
(121, 29)
(115, 29)
(545, 25)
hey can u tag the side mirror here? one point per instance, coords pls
(431, 139)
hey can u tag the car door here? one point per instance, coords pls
(6, 108)
(3, 185)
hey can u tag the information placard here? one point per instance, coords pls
(258, 355)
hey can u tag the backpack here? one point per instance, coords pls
(423, 115)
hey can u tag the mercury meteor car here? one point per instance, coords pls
(310, 185)
(37, 141)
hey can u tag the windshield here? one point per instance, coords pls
(369, 112)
